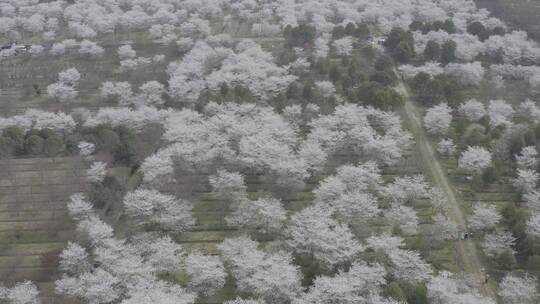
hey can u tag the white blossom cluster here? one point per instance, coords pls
(128, 269)
(265, 141)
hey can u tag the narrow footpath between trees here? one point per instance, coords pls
(466, 249)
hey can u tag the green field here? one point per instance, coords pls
(34, 224)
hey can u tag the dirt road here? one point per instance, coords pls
(467, 252)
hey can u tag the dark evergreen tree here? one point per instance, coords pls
(433, 51)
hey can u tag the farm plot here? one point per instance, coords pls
(34, 224)
(24, 85)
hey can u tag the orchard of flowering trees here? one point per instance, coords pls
(257, 138)
(206, 67)
(255, 152)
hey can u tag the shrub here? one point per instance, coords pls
(46, 133)
(14, 133)
(34, 145)
(400, 43)
(475, 28)
(528, 246)
(490, 175)
(384, 63)
(448, 52)
(403, 52)
(124, 153)
(506, 260)
(53, 145)
(71, 142)
(418, 295)
(384, 77)
(310, 268)
(107, 140)
(432, 52)
(17, 136)
(299, 35)
(106, 192)
(394, 291)
(7, 146)
(533, 262)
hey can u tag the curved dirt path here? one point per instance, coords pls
(466, 249)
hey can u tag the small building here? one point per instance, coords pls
(381, 40)
(19, 48)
